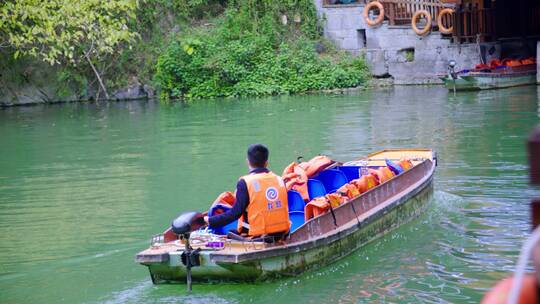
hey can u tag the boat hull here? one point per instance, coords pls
(295, 263)
(380, 210)
(488, 81)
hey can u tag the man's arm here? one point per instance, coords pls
(239, 207)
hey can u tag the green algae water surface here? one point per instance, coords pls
(84, 186)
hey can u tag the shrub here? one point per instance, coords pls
(250, 52)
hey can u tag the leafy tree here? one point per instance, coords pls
(71, 32)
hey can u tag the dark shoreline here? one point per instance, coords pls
(371, 84)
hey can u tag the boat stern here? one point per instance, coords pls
(167, 264)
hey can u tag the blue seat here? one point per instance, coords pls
(297, 219)
(332, 179)
(296, 202)
(315, 188)
(351, 172)
(223, 230)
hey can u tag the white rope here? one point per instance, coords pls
(522, 265)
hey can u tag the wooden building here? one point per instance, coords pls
(489, 20)
(469, 32)
(473, 20)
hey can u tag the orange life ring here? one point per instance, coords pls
(442, 28)
(415, 19)
(370, 6)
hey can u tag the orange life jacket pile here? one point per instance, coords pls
(296, 175)
(507, 62)
(351, 190)
(295, 178)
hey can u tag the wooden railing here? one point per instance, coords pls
(473, 24)
(400, 12)
(335, 2)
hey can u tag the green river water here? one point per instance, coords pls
(84, 186)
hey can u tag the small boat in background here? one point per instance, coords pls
(496, 75)
(314, 241)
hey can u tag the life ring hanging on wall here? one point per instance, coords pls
(380, 17)
(442, 28)
(416, 18)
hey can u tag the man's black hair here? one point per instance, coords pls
(257, 155)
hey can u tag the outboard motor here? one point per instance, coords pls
(451, 69)
(187, 222)
(452, 72)
(183, 225)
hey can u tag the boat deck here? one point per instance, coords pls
(231, 247)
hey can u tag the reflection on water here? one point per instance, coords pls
(84, 186)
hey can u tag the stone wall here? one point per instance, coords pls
(344, 25)
(396, 51)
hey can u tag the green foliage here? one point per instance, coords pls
(156, 22)
(409, 55)
(252, 51)
(190, 48)
(77, 34)
(66, 30)
(70, 81)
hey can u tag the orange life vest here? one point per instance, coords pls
(365, 182)
(530, 60)
(268, 210)
(316, 207)
(335, 199)
(382, 174)
(349, 190)
(481, 66)
(511, 62)
(321, 204)
(295, 178)
(316, 165)
(225, 199)
(495, 63)
(405, 164)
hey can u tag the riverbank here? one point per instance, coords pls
(191, 50)
(372, 83)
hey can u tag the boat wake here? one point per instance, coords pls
(145, 291)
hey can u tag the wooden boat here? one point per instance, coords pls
(491, 79)
(317, 242)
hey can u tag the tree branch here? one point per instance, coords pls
(97, 75)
